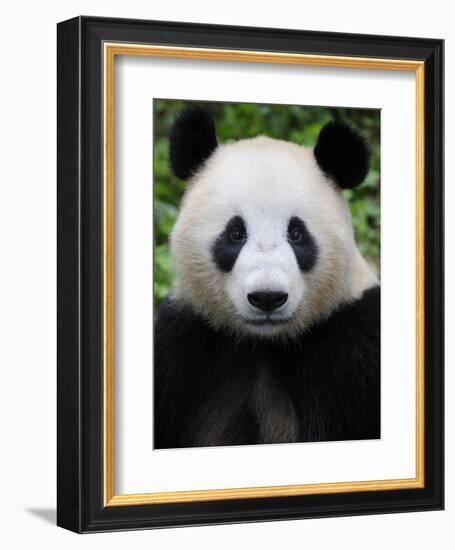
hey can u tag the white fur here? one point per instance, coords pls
(266, 182)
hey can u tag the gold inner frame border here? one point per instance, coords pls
(110, 51)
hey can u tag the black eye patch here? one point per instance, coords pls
(229, 243)
(302, 243)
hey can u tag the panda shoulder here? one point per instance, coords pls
(363, 314)
(176, 320)
(180, 335)
(367, 309)
(356, 324)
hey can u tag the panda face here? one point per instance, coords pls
(263, 243)
(265, 259)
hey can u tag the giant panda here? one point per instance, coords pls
(271, 333)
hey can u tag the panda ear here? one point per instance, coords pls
(192, 141)
(342, 153)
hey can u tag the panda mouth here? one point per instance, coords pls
(266, 321)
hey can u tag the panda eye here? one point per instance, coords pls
(236, 234)
(296, 234)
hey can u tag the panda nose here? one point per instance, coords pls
(267, 301)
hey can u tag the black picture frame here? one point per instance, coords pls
(80, 478)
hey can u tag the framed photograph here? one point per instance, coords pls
(250, 274)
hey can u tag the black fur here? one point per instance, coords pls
(342, 153)
(226, 249)
(192, 141)
(213, 390)
(305, 250)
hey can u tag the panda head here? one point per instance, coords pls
(263, 243)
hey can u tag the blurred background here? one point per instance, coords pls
(236, 121)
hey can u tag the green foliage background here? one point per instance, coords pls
(236, 121)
